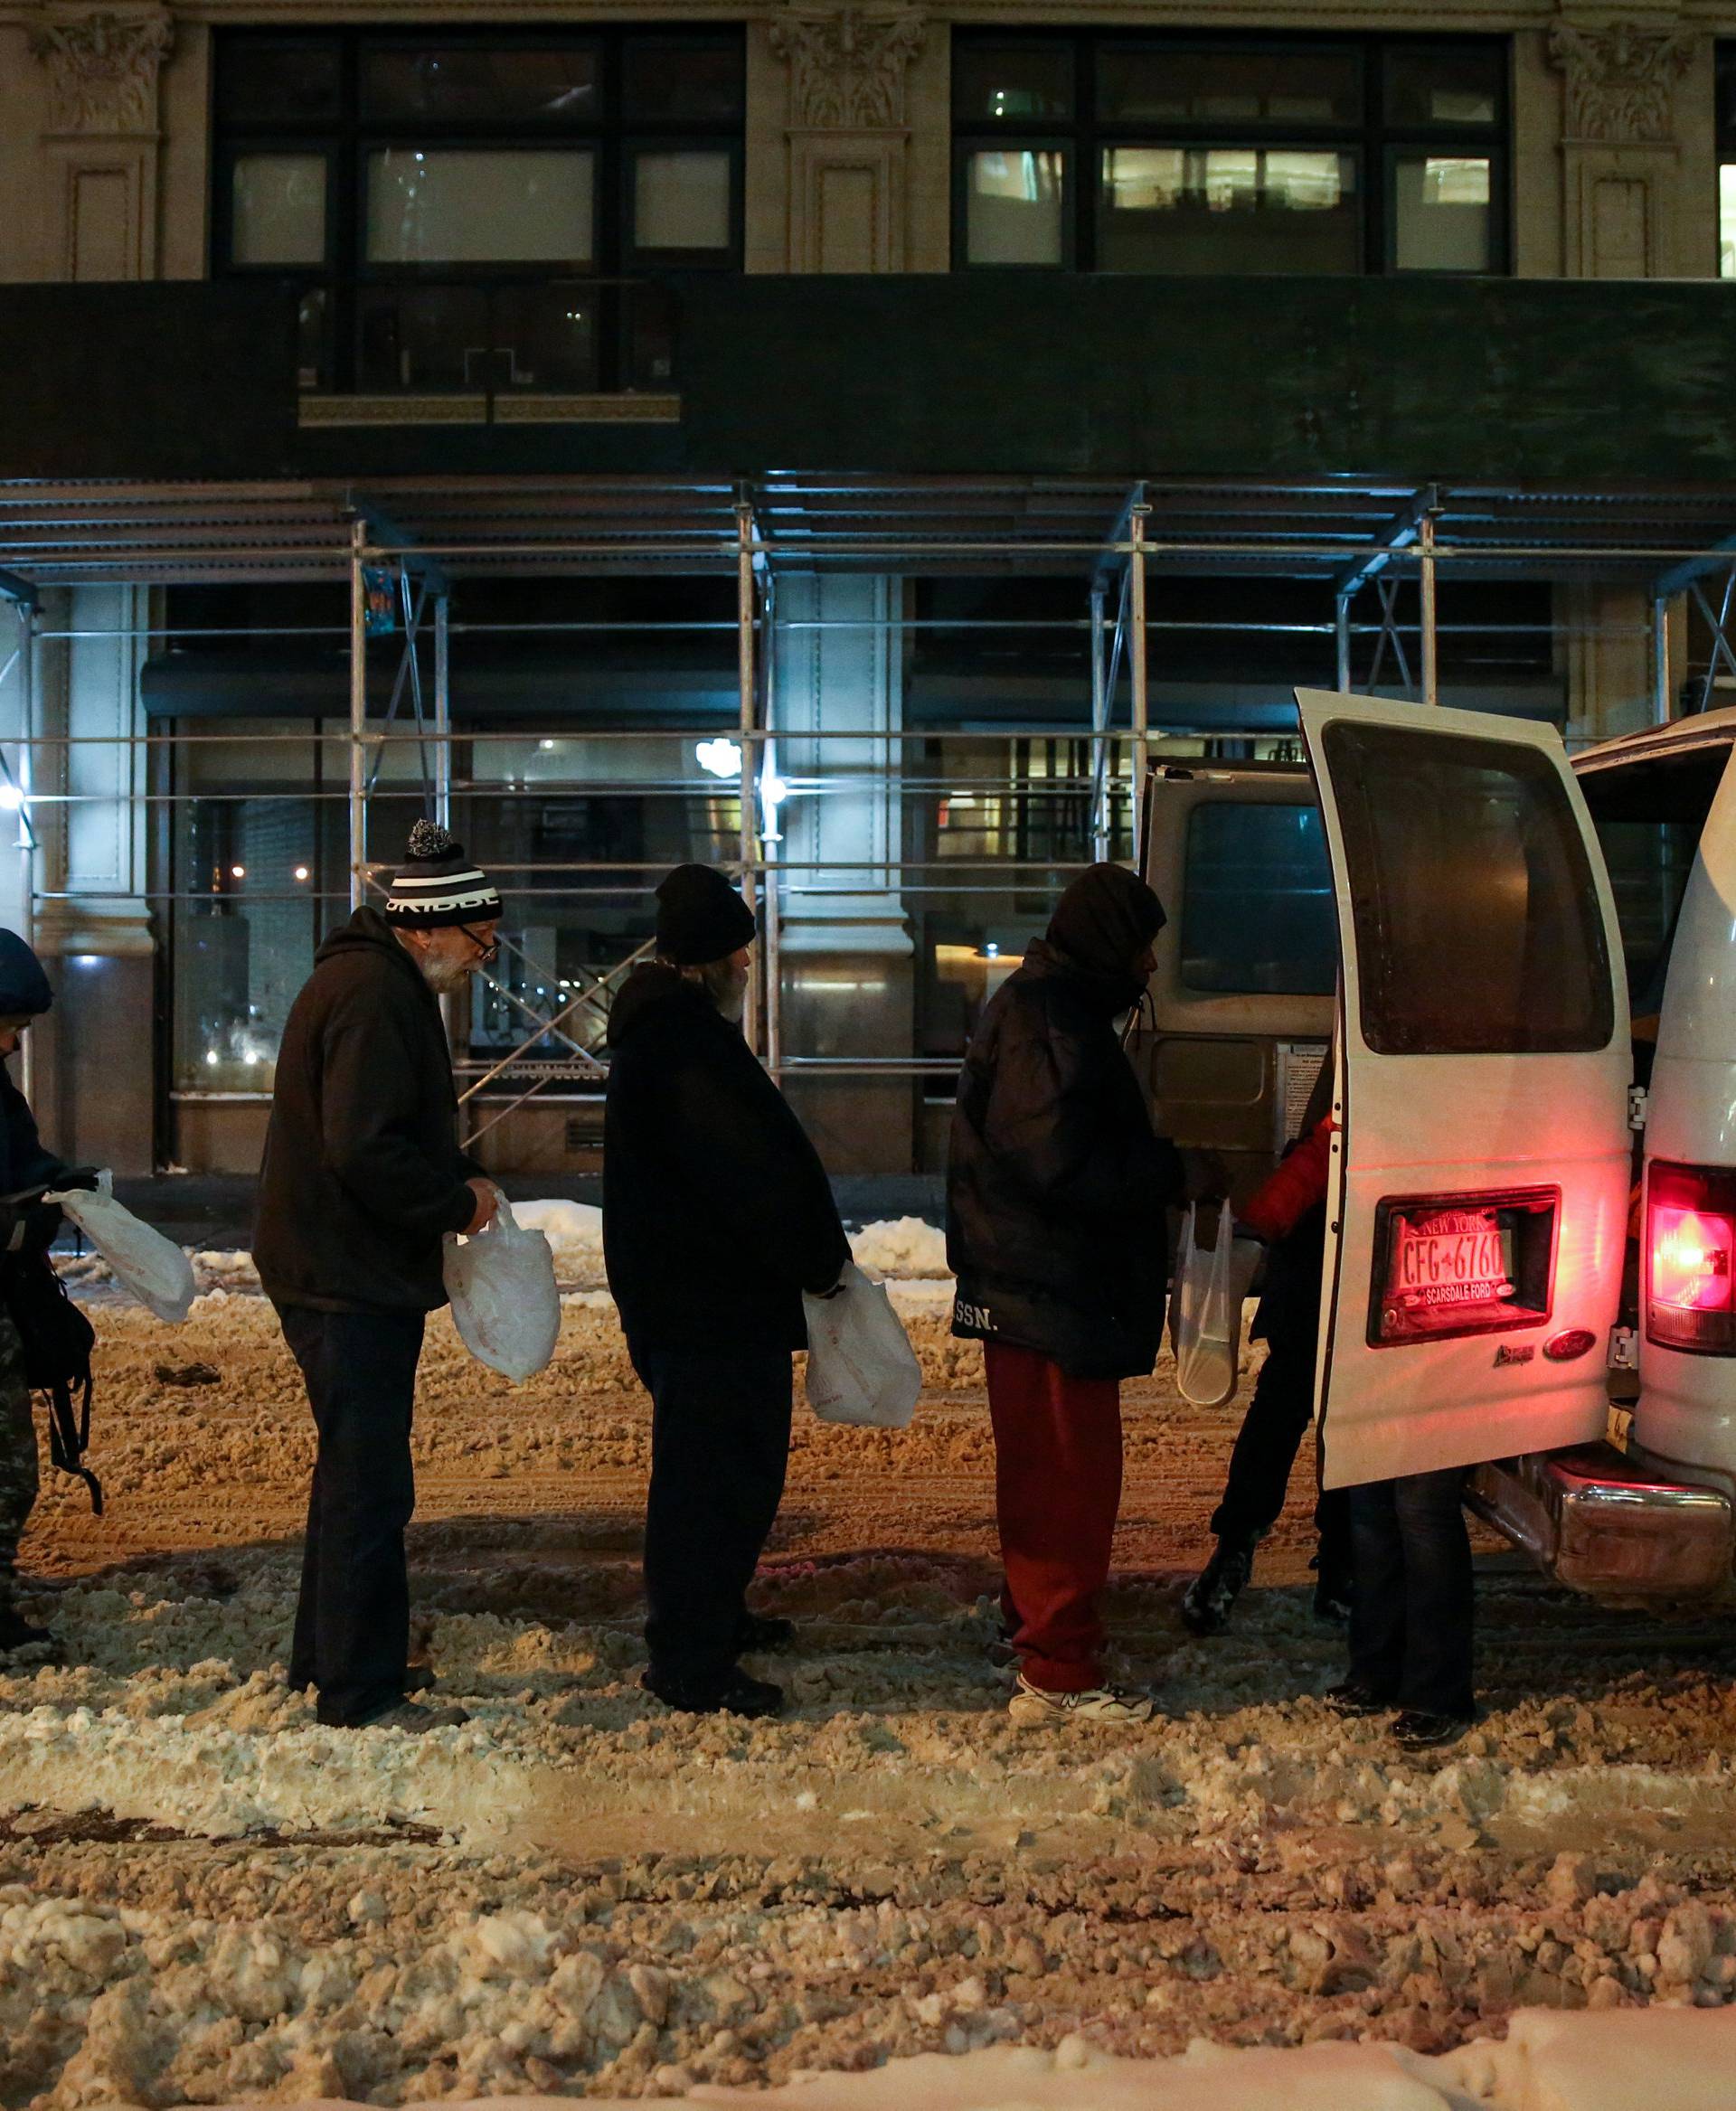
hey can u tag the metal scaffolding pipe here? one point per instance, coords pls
(1099, 720)
(358, 719)
(1141, 759)
(744, 544)
(1663, 697)
(443, 710)
(773, 840)
(1426, 569)
(1341, 628)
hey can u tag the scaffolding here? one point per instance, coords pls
(407, 549)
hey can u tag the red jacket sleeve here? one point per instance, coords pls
(1279, 1203)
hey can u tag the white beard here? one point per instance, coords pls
(442, 976)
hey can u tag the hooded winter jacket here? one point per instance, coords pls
(26, 1164)
(1056, 1187)
(363, 1171)
(717, 1213)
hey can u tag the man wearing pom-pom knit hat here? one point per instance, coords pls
(717, 1216)
(362, 1179)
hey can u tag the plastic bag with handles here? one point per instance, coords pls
(1206, 1310)
(148, 1266)
(861, 1367)
(505, 1303)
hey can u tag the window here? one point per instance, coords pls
(460, 208)
(1478, 928)
(1726, 130)
(1118, 150)
(1257, 916)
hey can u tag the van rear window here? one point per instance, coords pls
(1478, 929)
(1257, 914)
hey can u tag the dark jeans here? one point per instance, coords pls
(1279, 1413)
(720, 1447)
(353, 1618)
(1411, 1615)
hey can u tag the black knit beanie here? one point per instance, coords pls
(1106, 918)
(438, 885)
(701, 918)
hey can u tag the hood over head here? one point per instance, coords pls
(24, 992)
(1106, 920)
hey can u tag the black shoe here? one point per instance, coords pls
(736, 1693)
(1354, 1698)
(16, 1633)
(419, 1678)
(1332, 1600)
(1418, 1731)
(1209, 1600)
(760, 1633)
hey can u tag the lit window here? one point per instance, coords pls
(1014, 200)
(277, 204)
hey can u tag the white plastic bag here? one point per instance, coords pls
(153, 1268)
(1205, 1311)
(861, 1367)
(501, 1283)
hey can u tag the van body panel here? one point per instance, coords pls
(1687, 1402)
(1230, 1055)
(1478, 1219)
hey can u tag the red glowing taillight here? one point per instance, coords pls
(1691, 1258)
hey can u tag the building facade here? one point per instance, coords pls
(485, 220)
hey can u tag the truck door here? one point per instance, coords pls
(1247, 965)
(1480, 1173)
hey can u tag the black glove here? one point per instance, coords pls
(84, 1176)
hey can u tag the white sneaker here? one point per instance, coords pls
(1100, 1704)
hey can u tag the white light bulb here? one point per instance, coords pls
(721, 756)
(11, 798)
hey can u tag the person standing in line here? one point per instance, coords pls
(1057, 1195)
(1288, 1210)
(28, 1228)
(717, 1216)
(363, 1178)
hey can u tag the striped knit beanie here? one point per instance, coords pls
(438, 885)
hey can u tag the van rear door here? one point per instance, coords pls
(1481, 1168)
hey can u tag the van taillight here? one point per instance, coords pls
(1691, 1258)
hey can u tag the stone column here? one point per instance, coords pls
(103, 140)
(1625, 215)
(848, 143)
(845, 948)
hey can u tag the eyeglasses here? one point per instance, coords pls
(487, 949)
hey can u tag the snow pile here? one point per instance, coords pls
(1677, 2060)
(574, 1231)
(904, 1247)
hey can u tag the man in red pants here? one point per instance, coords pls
(1057, 1190)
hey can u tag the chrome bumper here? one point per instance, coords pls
(1597, 1521)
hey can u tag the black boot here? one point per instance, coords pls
(1211, 1597)
(757, 1632)
(735, 1693)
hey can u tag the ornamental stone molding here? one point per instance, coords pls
(1621, 80)
(102, 66)
(848, 65)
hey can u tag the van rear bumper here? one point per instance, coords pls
(1595, 1519)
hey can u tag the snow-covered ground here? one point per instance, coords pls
(204, 1897)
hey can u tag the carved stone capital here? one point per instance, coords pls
(847, 64)
(1621, 79)
(102, 65)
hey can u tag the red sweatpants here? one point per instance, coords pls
(1057, 1489)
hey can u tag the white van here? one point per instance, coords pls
(1538, 1000)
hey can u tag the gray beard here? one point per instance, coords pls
(442, 977)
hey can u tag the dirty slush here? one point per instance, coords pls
(204, 1896)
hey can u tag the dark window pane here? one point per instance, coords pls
(278, 209)
(426, 337)
(1478, 929)
(545, 336)
(1161, 86)
(1013, 206)
(1258, 916)
(1649, 863)
(277, 83)
(671, 79)
(1443, 86)
(1440, 212)
(681, 201)
(1021, 83)
(311, 353)
(456, 83)
(1227, 209)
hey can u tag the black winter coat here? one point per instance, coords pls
(717, 1213)
(363, 1172)
(1056, 1187)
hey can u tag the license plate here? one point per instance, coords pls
(1457, 1257)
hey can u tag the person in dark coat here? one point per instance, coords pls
(28, 1170)
(363, 1179)
(717, 1216)
(1057, 1197)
